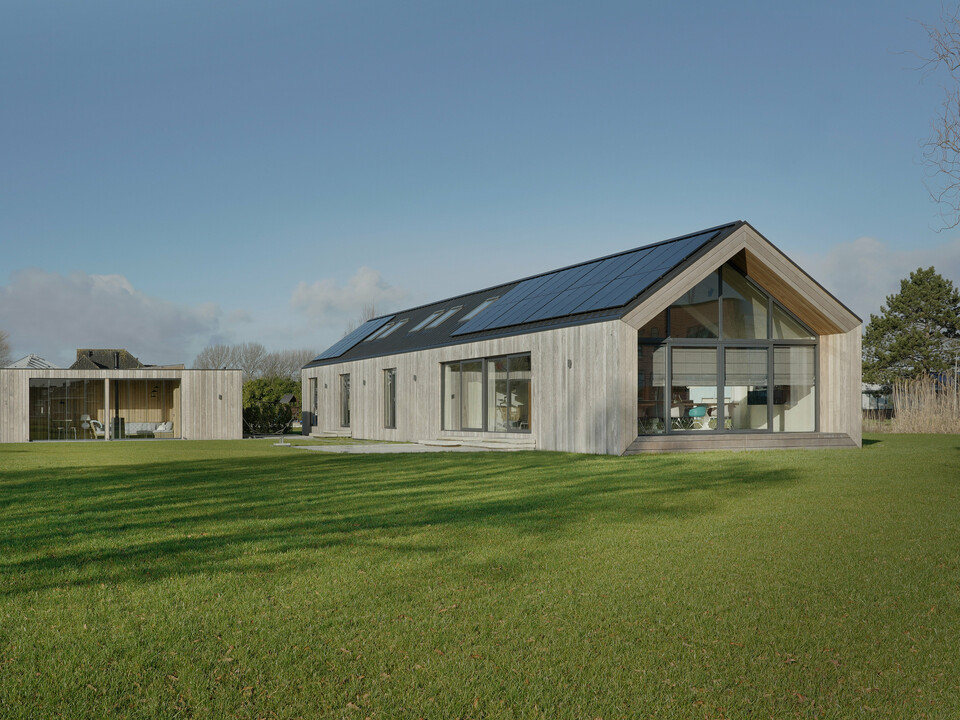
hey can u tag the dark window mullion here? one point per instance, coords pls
(770, 387)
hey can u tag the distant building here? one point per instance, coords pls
(33, 361)
(108, 394)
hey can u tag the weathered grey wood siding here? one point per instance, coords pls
(583, 386)
(212, 404)
(840, 379)
(210, 400)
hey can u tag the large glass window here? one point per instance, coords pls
(745, 388)
(744, 307)
(733, 359)
(786, 328)
(76, 409)
(492, 394)
(697, 313)
(471, 394)
(345, 400)
(651, 380)
(693, 387)
(795, 394)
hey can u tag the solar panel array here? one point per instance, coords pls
(339, 348)
(597, 285)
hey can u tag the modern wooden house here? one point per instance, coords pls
(111, 395)
(709, 340)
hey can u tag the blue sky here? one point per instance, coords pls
(179, 173)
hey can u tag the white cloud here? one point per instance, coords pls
(52, 315)
(863, 272)
(328, 303)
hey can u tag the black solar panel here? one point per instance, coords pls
(365, 330)
(597, 285)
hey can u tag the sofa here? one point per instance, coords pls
(149, 429)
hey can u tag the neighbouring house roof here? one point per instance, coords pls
(605, 288)
(105, 359)
(34, 362)
(288, 399)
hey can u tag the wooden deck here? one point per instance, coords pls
(733, 441)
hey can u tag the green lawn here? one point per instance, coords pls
(239, 579)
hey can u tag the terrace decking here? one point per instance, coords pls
(692, 442)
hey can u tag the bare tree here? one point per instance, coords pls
(369, 312)
(217, 357)
(286, 363)
(5, 358)
(942, 150)
(254, 360)
(250, 357)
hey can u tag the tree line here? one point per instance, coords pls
(254, 360)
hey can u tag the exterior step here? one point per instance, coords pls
(484, 442)
(330, 433)
(738, 441)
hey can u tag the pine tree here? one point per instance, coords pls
(916, 332)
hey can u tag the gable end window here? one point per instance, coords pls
(726, 357)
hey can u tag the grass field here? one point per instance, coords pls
(238, 579)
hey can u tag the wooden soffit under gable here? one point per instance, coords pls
(768, 267)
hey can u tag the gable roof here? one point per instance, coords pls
(592, 291)
(34, 362)
(105, 359)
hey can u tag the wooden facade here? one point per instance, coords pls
(584, 376)
(201, 404)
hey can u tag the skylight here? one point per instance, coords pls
(448, 314)
(386, 329)
(422, 323)
(391, 328)
(479, 308)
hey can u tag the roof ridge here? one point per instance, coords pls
(716, 228)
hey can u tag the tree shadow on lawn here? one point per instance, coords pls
(149, 521)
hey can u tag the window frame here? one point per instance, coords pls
(721, 343)
(390, 398)
(345, 400)
(487, 362)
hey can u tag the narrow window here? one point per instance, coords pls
(345, 401)
(313, 404)
(390, 398)
(451, 396)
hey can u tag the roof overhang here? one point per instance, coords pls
(767, 266)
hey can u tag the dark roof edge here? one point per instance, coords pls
(734, 224)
